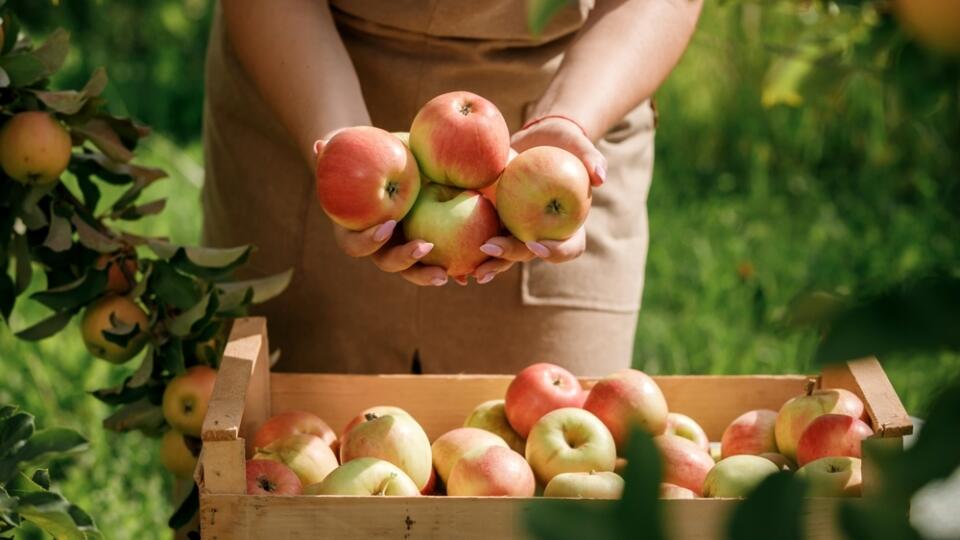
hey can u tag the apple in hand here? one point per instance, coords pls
(673, 491)
(832, 435)
(460, 139)
(292, 423)
(585, 485)
(490, 192)
(544, 194)
(780, 460)
(309, 456)
(492, 416)
(628, 397)
(365, 176)
(797, 413)
(454, 444)
(569, 440)
(392, 436)
(186, 398)
(750, 433)
(838, 476)
(684, 463)
(736, 476)
(271, 478)
(493, 471)
(457, 222)
(537, 390)
(34, 148)
(366, 476)
(688, 428)
(176, 456)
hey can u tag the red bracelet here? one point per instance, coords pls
(537, 120)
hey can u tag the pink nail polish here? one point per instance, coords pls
(538, 249)
(492, 250)
(422, 251)
(487, 278)
(601, 173)
(384, 231)
(439, 281)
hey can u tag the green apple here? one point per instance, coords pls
(366, 476)
(392, 435)
(736, 476)
(569, 440)
(833, 477)
(309, 456)
(585, 485)
(492, 416)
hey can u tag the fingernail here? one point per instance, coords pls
(439, 281)
(422, 250)
(492, 250)
(538, 249)
(601, 173)
(487, 278)
(385, 230)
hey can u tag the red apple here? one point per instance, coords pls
(391, 436)
(585, 485)
(537, 390)
(186, 398)
(460, 139)
(365, 176)
(271, 478)
(832, 435)
(797, 413)
(309, 456)
(292, 423)
(121, 271)
(688, 428)
(431, 487)
(628, 397)
(750, 433)
(684, 463)
(544, 194)
(569, 440)
(494, 471)
(490, 192)
(833, 477)
(450, 447)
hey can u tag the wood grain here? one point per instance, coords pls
(866, 378)
(222, 467)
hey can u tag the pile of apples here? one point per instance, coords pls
(551, 436)
(451, 181)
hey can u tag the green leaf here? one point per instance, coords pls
(51, 512)
(113, 172)
(540, 12)
(41, 477)
(202, 311)
(15, 431)
(56, 440)
(639, 508)
(143, 373)
(71, 101)
(122, 393)
(206, 257)
(21, 251)
(133, 213)
(53, 52)
(47, 327)
(783, 81)
(187, 509)
(141, 415)
(92, 238)
(4, 78)
(263, 288)
(59, 235)
(23, 68)
(90, 191)
(101, 134)
(172, 287)
(774, 509)
(171, 357)
(558, 519)
(8, 294)
(121, 333)
(76, 294)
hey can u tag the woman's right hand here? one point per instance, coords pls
(391, 256)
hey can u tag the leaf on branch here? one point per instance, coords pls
(23, 69)
(71, 101)
(120, 394)
(15, 430)
(8, 294)
(640, 504)
(102, 135)
(76, 294)
(121, 333)
(133, 213)
(53, 52)
(203, 262)
(187, 509)
(263, 288)
(92, 238)
(143, 373)
(172, 287)
(47, 327)
(51, 512)
(21, 251)
(59, 235)
(41, 477)
(141, 415)
(4, 78)
(113, 172)
(199, 313)
(774, 509)
(55, 440)
(90, 191)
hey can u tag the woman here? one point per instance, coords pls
(282, 74)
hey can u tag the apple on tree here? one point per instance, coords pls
(492, 471)
(366, 476)
(271, 478)
(119, 313)
(750, 433)
(390, 434)
(34, 148)
(537, 390)
(585, 485)
(176, 456)
(625, 398)
(832, 435)
(797, 413)
(121, 269)
(569, 440)
(186, 398)
(450, 447)
(308, 456)
(492, 416)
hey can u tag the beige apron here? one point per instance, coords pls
(344, 315)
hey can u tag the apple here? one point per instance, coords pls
(832, 435)
(366, 476)
(101, 315)
(365, 176)
(493, 471)
(628, 397)
(271, 478)
(780, 460)
(391, 436)
(569, 440)
(934, 23)
(750, 433)
(673, 491)
(404, 137)
(621, 466)
(585, 485)
(544, 194)
(736, 476)
(460, 139)
(186, 397)
(457, 222)
(380, 410)
(432, 487)
(492, 416)
(836, 476)
(797, 413)
(309, 456)
(292, 423)
(684, 463)
(34, 148)
(537, 390)
(688, 428)
(176, 456)
(490, 192)
(121, 271)
(453, 445)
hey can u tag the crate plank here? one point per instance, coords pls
(866, 378)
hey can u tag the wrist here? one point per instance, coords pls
(560, 117)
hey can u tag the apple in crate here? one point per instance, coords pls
(544, 194)
(365, 176)
(537, 390)
(797, 413)
(688, 428)
(493, 471)
(673, 491)
(780, 460)
(837, 476)
(569, 440)
(309, 456)
(366, 476)
(684, 463)
(750, 433)
(454, 444)
(625, 398)
(585, 485)
(293, 423)
(186, 398)
(832, 435)
(460, 139)
(492, 416)
(390, 434)
(736, 476)
(266, 477)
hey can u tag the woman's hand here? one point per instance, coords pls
(392, 257)
(565, 133)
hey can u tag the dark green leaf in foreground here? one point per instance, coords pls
(773, 510)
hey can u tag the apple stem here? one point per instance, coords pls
(371, 416)
(811, 385)
(318, 146)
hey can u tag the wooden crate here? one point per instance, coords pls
(246, 394)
